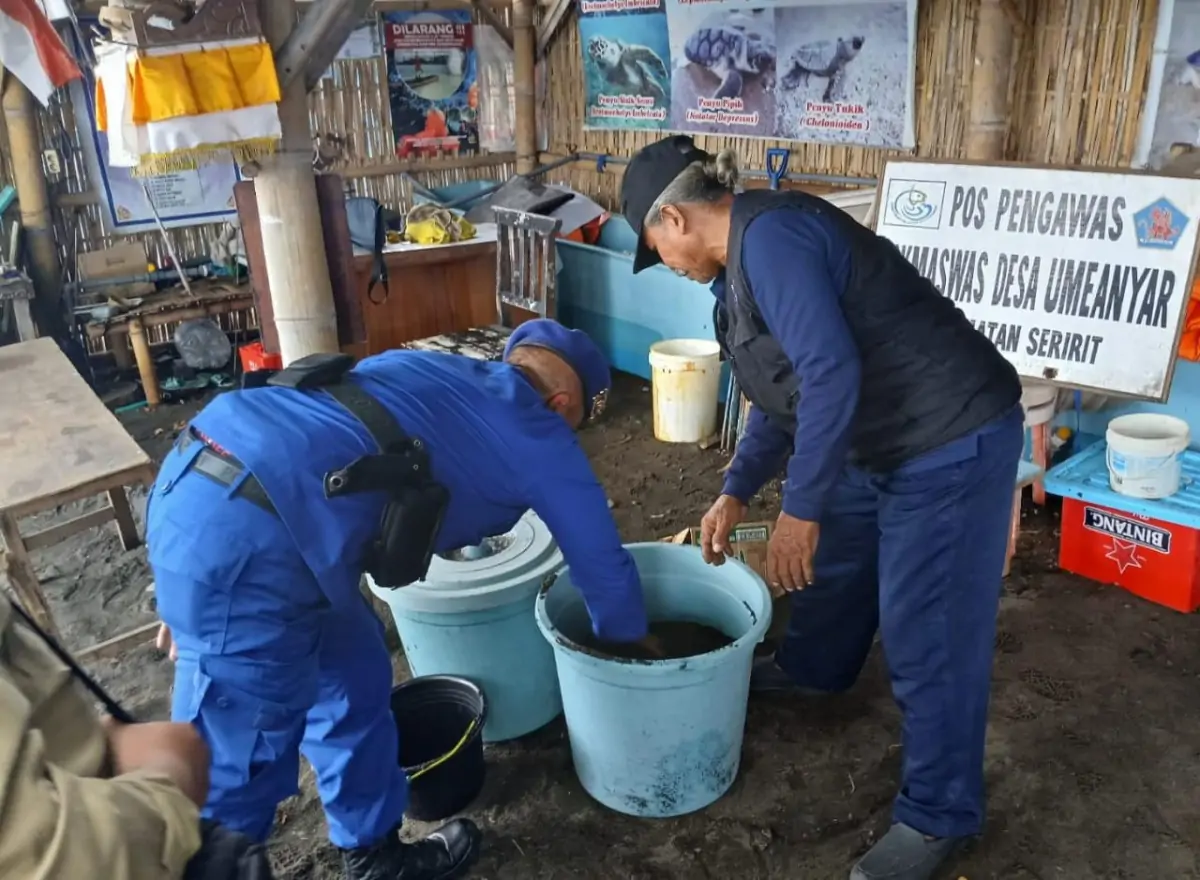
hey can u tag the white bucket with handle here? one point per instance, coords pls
(1144, 454)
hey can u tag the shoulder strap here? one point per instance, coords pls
(375, 417)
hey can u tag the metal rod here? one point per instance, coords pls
(753, 172)
(167, 241)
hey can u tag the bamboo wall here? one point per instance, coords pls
(350, 118)
(1079, 75)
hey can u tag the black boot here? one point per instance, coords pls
(444, 855)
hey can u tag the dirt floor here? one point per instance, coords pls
(1092, 752)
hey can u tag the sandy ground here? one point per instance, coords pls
(1092, 752)
(877, 79)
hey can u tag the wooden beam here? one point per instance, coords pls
(285, 189)
(488, 14)
(411, 166)
(987, 125)
(524, 59)
(551, 22)
(142, 635)
(37, 225)
(315, 41)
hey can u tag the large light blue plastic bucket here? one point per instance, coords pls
(660, 738)
(473, 617)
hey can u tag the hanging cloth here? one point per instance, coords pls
(180, 106)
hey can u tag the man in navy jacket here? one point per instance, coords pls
(901, 430)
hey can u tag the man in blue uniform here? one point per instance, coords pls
(901, 430)
(257, 554)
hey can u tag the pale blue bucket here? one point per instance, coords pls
(660, 738)
(473, 617)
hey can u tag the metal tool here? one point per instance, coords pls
(777, 165)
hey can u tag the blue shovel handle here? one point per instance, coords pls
(777, 164)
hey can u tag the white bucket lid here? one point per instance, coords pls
(676, 352)
(1148, 434)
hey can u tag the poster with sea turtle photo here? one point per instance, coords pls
(432, 82)
(799, 70)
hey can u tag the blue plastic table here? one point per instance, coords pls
(1085, 478)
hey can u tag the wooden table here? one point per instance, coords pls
(132, 329)
(59, 444)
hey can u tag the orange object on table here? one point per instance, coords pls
(254, 358)
(1157, 560)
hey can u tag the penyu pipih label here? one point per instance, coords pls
(1131, 530)
(1079, 277)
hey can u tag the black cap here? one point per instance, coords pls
(649, 172)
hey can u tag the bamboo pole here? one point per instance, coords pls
(290, 218)
(987, 128)
(25, 156)
(524, 49)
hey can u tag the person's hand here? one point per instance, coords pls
(790, 553)
(720, 520)
(175, 750)
(165, 643)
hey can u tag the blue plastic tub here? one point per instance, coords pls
(660, 738)
(625, 313)
(472, 617)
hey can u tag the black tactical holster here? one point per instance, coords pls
(412, 517)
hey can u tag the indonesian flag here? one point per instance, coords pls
(32, 51)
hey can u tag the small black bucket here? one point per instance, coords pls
(440, 719)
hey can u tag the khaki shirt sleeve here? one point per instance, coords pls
(59, 819)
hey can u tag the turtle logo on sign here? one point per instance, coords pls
(1159, 225)
(915, 203)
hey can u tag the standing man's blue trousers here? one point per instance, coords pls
(918, 553)
(266, 669)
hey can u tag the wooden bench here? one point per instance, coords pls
(59, 444)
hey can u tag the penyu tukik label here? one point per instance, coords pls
(1079, 277)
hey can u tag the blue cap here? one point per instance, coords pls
(577, 349)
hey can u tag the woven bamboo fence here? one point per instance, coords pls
(351, 123)
(1078, 81)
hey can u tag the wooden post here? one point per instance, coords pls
(293, 243)
(987, 128)
(524, 49)
(145, 362)
(25, 154)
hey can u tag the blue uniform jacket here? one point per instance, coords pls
(492, 442)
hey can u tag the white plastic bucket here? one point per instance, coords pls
(686, 382)
(1144, 454)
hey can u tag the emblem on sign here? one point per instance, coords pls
(915, 203)
(1159, 225)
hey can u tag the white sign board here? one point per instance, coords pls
(1080, 277)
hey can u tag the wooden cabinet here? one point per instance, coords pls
(430, 292)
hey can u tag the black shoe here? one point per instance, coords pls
(444, 855)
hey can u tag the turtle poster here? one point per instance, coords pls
(432, 70)
(799, 70)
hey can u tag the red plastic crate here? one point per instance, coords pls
(1156, 560)
(255, 358)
